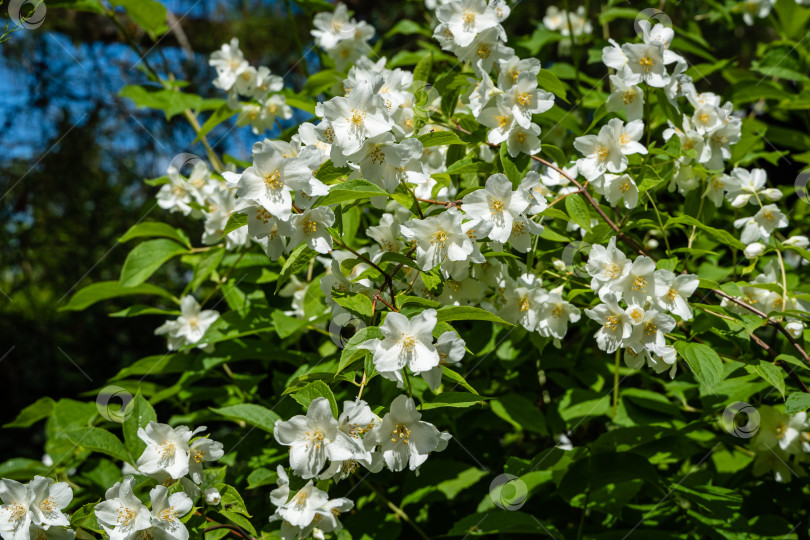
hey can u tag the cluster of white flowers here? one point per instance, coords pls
(237, 77)
(371, 132)
(567, 23)
(202, 196)
(34, 510)
(171, 455)
(651, 296)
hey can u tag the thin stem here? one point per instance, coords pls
(616, 381)
(408, 380)
(398, 511)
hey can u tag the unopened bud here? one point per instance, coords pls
(212, 496)
(754, 250)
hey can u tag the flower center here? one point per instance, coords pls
(520, 137)
(611, 270)
(469, 16)
(168, 514)
(198, 455)
(309, 226)
(496, 207)
(407, 342)
(16, 512)
(672, 294)
(629, 96)
(624, 139)
(48, 505)
(557, 312)
(483, 52)
(273, 180)
(377, 156)
(524, 99)
(400, 433)
(502, 121)
(602, 153)
(625, 187)
(315, 438)
(640, 284)
(646, 63)
(439, 238)
(518, 228)
(650, 329)
(612, 323)
(263, 215)
(358, 118)
(524, 303)
(125, 516)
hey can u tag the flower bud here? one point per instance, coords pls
(559, 265)
(772, 194)
(212, 496)
(795, 329)
(652, 243)
(800, 242)
(754, 250)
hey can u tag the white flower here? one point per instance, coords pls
(311, 227)
(614, 57)
(649, 331)
(509, 70)
(522, 304)
(212, 496)
(202, 450)
(800, 242)
(485, 50)
(497, 204)
(762, 224)
(166, 511)
(181, 194)
(555, 314)
(627, 136)
(627, 97)
(621, 188)
(523, 140)
(48, 499)
(123, 515)
(358, 117)
(754, 250)
(525, 99)
(405, 343)
(271, 178)
(190, 326)
(386, 234)
(795, 328)
(671, 292)
(229, 63)
(498, 116)
(606, 265)
(451, 349)
(167, 450)
(50, 533)
(602, 153)
(535, 191)
(438, 238)
(301, 509)
(645, 63)
(313, 438)
(404, 439)
(616, 324)
(466, 18)
(382, 159)
(746, 187)
(758, 8)
(15, 513)
(638, 284)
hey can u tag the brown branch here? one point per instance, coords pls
(448, 204)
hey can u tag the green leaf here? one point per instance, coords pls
(220, 114)
(422, 70)
(458, 379)
(509, 168)
(140, 413)
(797, 402)
(146, 258)
(41, 408)
(453, 399)
(467, 313)
(314, 390)
(148, 14)
(351, 190)
(297, 260)
(231, 500)
(250, 413)
(502, 524)
(703, 361)
(672, 114)
(99, 440)
(171, 102)
(770, 373)
(398, 258)
(235, 221)
(551, 83)
(152, 229)
(520, 412)
(205, 265)
(328, 172)
(106, 290)
(722, 236)
(578, 210)
(351, 350)
(355, 302)
(439, 138)
(22, 469)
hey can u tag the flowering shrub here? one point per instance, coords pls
(508, 290)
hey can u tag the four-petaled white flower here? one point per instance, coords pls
(404, 439)
(166, 513)
(123, 515)
(167, 449)
(496, 204)
(190, 326)
(438, 238)
(406, 342)
(313, 439)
